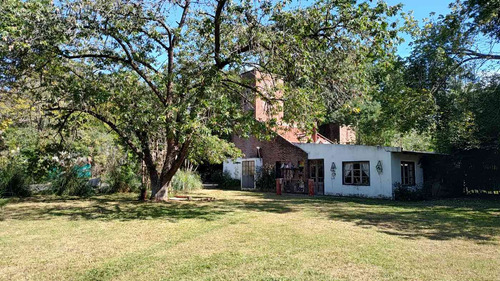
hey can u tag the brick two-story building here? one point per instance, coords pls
(281, 153)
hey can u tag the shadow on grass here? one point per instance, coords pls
(433, 220)
(125, 207)
(472, 219)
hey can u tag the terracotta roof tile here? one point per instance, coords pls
(295, 135)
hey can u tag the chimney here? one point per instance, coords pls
(264, 83)
(315, 135)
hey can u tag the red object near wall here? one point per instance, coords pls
(278, 186)
(311, 187)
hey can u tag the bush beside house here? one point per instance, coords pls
(266, 178)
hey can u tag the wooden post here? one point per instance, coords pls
(278, 186)
(311, 187)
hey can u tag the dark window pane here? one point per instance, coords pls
(407, 173)
(348, 179)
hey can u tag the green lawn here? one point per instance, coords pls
(249, 236)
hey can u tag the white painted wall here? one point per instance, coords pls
(380, 184)
(233, 167)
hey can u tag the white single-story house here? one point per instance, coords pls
(367, 171)
(344, 170)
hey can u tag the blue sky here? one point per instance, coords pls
(421, 9)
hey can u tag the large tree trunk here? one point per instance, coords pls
(159, 191)
(162, 194)
(142, 196)
(160, 182)
(156, 185)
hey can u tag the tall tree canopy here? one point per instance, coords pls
(428, 95)
(453, 59)
(165, 75)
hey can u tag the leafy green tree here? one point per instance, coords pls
(425, 101)
(481, 22)
(165, 75)
(391, 112)
(451, 60)
(474, 115)
(464, 39)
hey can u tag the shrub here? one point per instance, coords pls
(185, 180)
(225, 181)
(409, 193)
(68, 183)
(13, 183)
(123, 178)
(14, 179)
(266, 178)
(3, 202)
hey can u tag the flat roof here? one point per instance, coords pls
(401, 150)
(392, 149)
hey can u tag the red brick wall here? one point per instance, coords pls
(338, 134)
(271, 151)
(265, 84)
(347, 135)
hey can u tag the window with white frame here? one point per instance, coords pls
(407, 173)
(356, 173)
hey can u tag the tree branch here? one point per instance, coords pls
(147, 156)
(173, 41)
(217, 23)
(106, 121)
(182, 20)
(138, 70)
(102, 56)
(163, 45)
(227, 61)
(477, 55)
(181, 156)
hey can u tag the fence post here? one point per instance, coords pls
(278, 186)
(311, 187)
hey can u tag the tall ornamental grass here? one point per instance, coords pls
(185, 181)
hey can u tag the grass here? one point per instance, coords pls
(249, 236)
